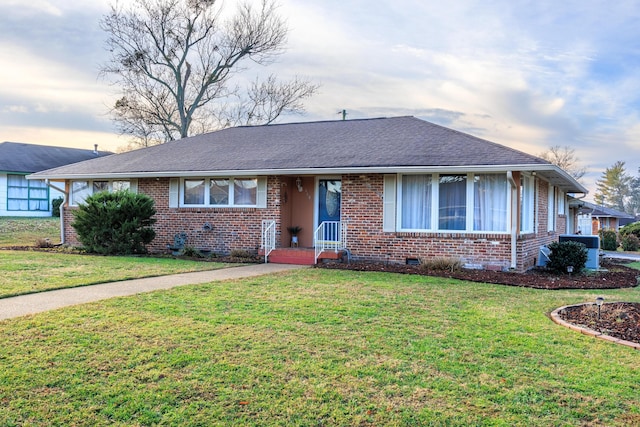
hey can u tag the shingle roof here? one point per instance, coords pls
(28, 158)
(367, 143)
(602, 211)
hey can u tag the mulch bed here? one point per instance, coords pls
(619, 319)
(616, 276)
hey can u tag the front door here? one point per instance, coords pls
(329, 199)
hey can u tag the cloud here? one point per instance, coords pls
(528, 74)
(23, 8)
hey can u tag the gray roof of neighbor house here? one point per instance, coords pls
(19, 157)
(602, 211)
(382, 145)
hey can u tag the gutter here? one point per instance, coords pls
(65, 197)
(514, 220)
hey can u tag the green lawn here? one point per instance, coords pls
(26, 231)
(318, 348)
(23, 272)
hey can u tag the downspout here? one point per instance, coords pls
(514, 220)
(65, 195)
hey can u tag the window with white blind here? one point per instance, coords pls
(448, 202)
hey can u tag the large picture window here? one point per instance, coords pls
(26, 195)
(223, 192)
(469, 202)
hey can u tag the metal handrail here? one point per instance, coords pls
(330, 235)
(268, 237)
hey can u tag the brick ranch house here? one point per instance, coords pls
(392, 189)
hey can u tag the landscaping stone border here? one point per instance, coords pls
(555, 316)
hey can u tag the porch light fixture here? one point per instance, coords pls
(599, 302)
(299, 184)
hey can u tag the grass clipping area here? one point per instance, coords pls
(315, 348)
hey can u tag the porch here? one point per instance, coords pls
(301, 256)
(330, 243)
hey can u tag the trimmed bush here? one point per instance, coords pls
(55, 206)
(608, 240)
(116, 223)
(565, 254)
(630, 243)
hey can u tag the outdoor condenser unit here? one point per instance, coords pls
(593, 247)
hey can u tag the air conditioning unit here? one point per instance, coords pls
(593, 247)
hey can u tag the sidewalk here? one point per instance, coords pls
(622, 255)
(44, 301)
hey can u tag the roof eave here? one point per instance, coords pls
(550, 172)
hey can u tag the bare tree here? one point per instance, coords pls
(174, 60)
(565, 158)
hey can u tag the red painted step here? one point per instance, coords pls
(293, 256)
(299, 256)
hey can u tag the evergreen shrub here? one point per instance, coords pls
(630, 242)
(608, 240)
(117, 223)
(55, 206)
(633, 228)
(565, 254)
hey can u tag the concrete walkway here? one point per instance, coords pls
(44, 301)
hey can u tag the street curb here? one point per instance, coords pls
(555, 316)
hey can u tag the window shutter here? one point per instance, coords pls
(261, 195)
(133, 185)
(389, 204)
(174, 191)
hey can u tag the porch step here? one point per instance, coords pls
(299, 256)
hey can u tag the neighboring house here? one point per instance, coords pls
(391, 189)
(22, 197)
(593, 218)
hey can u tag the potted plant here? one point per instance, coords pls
(294, 230)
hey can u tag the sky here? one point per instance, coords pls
(525, 74)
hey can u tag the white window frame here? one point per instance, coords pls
(527, 204)
(111, 182)
(435, 197)
(561, 202)
(231, 198)
(551, 208)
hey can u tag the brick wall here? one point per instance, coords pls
(232, 228)
(362, 211)
(240, 228)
